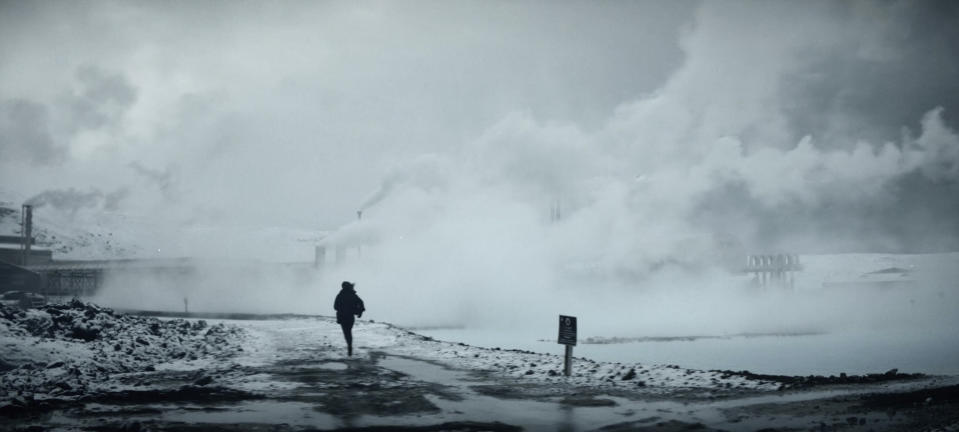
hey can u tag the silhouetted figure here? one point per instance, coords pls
(347, 304)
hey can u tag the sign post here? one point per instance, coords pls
(567, 336)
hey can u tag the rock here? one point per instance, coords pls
(891, 372)
(84, 333)
(11, 410)
(629, 375)
(55, 365)
(140, 340)
(530, 372)
(587, 401)
(203, 381)
(552, 373)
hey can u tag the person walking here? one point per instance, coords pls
(348, 304)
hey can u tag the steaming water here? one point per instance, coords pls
(840, 318)
(852, 352)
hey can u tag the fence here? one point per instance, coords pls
(773, 270)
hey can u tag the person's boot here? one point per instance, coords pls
(349, 350)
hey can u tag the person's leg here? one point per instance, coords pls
(347, 333)
(347, 327)
(349, 340)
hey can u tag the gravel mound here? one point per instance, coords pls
(66, 351)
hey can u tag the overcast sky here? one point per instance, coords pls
(296, 113)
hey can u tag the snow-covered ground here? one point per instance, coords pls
(90, 342)
(71, 350)
(79, 366)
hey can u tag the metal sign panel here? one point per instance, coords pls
(567, 330)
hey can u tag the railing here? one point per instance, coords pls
(769, 270)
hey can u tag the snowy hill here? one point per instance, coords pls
(101, 234)
(94, 241)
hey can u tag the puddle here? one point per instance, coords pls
(294, 413)
(425, 371)
(551, 415)
(333, 366)
(808, 395)
(253, 412)
(530, 414)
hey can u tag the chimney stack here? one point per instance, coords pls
(26, 229)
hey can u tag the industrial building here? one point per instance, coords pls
(17, 253)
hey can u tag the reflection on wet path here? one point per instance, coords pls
(571, 412)
(550, 415)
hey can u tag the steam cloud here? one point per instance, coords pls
(102, 98)
(795, 127)
(653, 200)
(162, 179)
(24, 133)
(32, 132)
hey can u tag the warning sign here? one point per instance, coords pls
(567, 330)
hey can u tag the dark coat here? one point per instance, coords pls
(347, 304)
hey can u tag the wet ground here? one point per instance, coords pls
(294, 385)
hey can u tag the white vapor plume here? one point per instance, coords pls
(468, 237)
(72, 200)
(535, 160)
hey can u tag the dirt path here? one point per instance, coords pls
(294, 376)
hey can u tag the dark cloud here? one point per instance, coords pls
(872, 72)
(913, 215)
(899, 60)
(25, 134)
